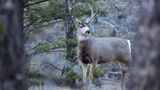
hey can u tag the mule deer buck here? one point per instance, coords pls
(95, 50)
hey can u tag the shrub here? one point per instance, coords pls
(71, 75)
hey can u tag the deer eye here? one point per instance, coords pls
(81, 26)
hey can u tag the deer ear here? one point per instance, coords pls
(78, 22)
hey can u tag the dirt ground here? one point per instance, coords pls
(106, 84)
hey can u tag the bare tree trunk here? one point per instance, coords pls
(69, 29)
(145, 70)
(12, 75)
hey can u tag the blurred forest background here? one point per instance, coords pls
(49, 42)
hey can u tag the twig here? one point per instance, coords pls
(38, 2)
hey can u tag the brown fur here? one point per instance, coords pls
(95, 50)
(89, 52)
(105, 50)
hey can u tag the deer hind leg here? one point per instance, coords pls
(123, 74)
(123, 79)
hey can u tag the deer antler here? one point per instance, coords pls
(93, 15)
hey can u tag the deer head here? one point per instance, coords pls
(83, 26)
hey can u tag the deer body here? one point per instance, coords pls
(104, 50)
(96, 50)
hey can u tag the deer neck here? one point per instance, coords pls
(84, 48)
(85, 42)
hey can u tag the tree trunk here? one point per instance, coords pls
(69, 29)
(12, 75)
(145, 70)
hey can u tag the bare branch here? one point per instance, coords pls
(54, 49)
(28, 31)
(76, 4)
(52, 65)
(38, 2)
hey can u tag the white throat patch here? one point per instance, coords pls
(82, 38)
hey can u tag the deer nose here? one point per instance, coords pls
(87, 32)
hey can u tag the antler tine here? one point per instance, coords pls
(93, 15)
(91, 10)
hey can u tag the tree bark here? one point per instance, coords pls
(145, 70)
(12, 64)
(69, 29)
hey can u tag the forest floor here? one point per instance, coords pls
(106, 84)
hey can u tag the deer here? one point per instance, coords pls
(98, 50)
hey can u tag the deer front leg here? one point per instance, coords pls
(84, 68)
(92, 68)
